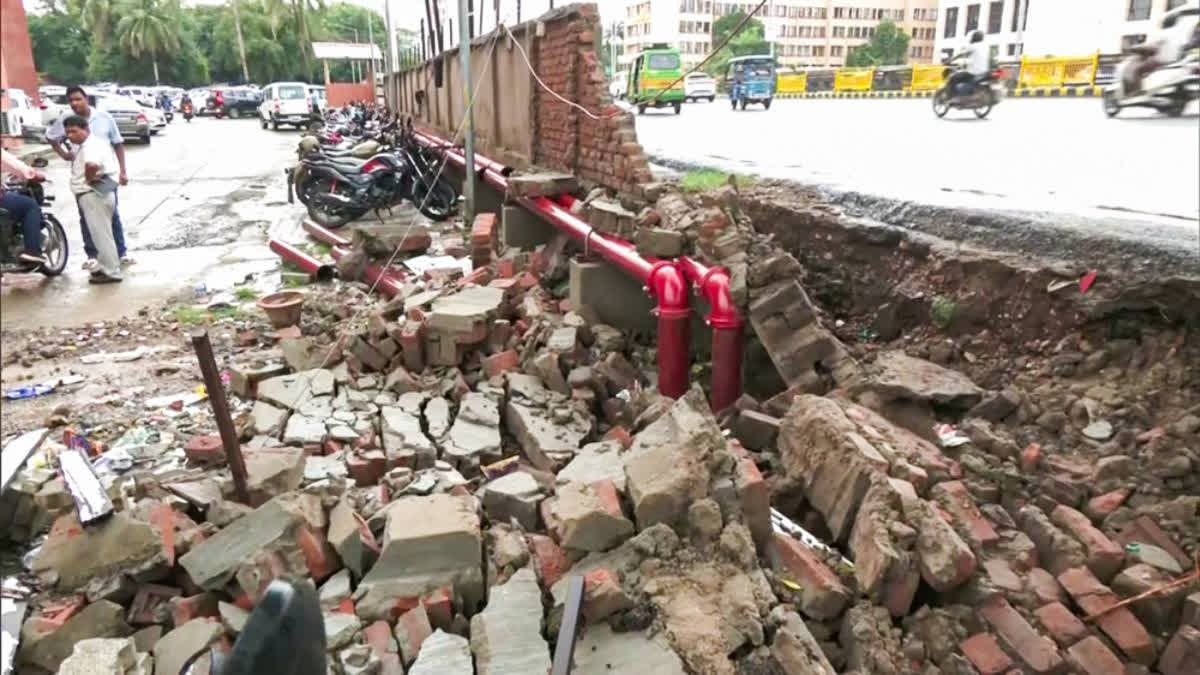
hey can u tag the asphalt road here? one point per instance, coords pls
(202, 200)
(1136, 175)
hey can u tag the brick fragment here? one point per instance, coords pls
(1061, 624)
(1036, 652)
(983, 653)
(1090, 657)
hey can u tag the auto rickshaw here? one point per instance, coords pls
(751, 80)
(656, 79)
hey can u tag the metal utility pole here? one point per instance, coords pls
(371, 42)
(391, 50)
(464, 54)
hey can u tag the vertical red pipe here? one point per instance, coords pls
(726, 323)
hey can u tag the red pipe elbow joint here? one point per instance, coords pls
(726, 323)
(667, 285)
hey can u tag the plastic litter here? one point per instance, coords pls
(949, 436)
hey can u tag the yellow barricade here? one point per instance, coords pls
(1056, 71)
(792, 83)
(853, 79)
(927, 77)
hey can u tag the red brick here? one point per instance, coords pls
(1100, 507)
(1061, 624)
(502, 362)
(621, 435)
(606, 492)
(822, 594)
(151, 604)
(1182, 655)
(184, 609)
(1030, 457)
(1121, 626)
(1037, 652)
(966, 518)
(603, 595)
(367, 468)
(983, 653)
(412, 628)
(755, 497)
(550, 560)
(1090, 657)
(439, 607)
(319, 554)
(379, 636)
(1105, 558)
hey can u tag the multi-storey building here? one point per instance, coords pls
(1058, 28)
(803, 33)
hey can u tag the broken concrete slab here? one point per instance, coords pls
(437, 417)
(404, 441)
(506, 637)
(72, 556)
(100, 655)
(795, 649)
(600, 651)
(213, 562)
(292, 391)
(102, 619)
(304, 430)
(268, 420)
(444, 654)
(549, 437)
(515, 495)
(542, 184)
(896, 375)
(181, 644)
(667, 467)
(346, 538)
(271, 472)
(594, 462)
(464, 313)
(428, 543)
(587, 517)
(475, 434)
(234, 618)
(340, 629)
(335, 589)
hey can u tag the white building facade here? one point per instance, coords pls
(1054, 28)
(817, 33)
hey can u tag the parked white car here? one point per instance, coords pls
(158, 120)
(699, 85)
(143, 95)
(285, 103)
(54, 103)
(25, 113)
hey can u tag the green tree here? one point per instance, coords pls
(888, 47)
(60, 46)
(99, 16)
(241, 43)
(338, 23)
(148, 27)
(749, 41)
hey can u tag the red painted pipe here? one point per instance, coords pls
(384, 281)
(325, 235)
(481, 162)
(304, 261)
(726, 323)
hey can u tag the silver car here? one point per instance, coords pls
(131, 120)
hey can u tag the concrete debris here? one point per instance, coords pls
(506, 637)
(474, 438)
(181, 644)
(515, 496)
(443, 654)
(601, 651)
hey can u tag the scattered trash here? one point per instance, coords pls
(425, 263)
(91, 500)
(786, 525)
(1056, 286)
(183, 398)
(17, 452)
(949, 436)
(32, 391)
(13, 597)
(1086, 282)
(201, 289)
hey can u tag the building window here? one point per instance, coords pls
(951, 22)
(995, 16)
(1016, 17)
(972, 18)
(836, 50)
(819, 50)
(1128, 41)
(1172, 4)
(1139, 10)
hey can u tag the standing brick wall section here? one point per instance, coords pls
(604, 151)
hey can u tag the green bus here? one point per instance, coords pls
(650, 75)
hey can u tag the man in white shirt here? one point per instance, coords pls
(94, 172)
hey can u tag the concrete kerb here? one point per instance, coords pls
(1024, 92)
(1032, 235)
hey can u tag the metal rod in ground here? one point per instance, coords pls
(464, 53)
(220, 408)
(564, 651)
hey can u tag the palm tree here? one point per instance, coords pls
(98, 16)
(276, 12)
(148, 27)
(237, 24)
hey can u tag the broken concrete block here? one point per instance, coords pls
(667, 467)
(795, 649)
(600, 651)
(944, 558)
(294, 390)
(437, 417)
(234, 618)
(594, 462)
(404, 441)
(608, 216)
(271, 472)
(549, 437)
(587, 517)
(303, 430)
(212, 562)
(344, 534)
(340, 629)
(660, 243)
(100, 655)
(465, 314)
(72, 556)
(244, 379)
(603, 595)
(896, 375)
(544, 184)
(884, 565)
(101, 619)
(428, 542)
(475, 434)
(506, 637)
(335, 590)
(444, 654)
(515, 495)
(268, 420)
(181, 644)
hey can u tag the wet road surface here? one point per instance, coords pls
(201, 202)
(1060, 156)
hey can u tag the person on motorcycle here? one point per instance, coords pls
(23, 207)
(1167, 47)
(978, 64)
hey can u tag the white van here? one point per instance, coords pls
(285, 103)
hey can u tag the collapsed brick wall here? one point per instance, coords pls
(604, 150)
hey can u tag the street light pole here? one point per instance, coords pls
(371, 51)
(464, 53)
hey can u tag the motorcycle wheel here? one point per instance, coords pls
(234, 113)
(328, 216)
(1175, 108)
(1111, 108)
(302, 184)
(54, 246)
(982, 110)
(438, 205)
(941, 102)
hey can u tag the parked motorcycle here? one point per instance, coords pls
(337, 189)
(1168, 90)
(959, 92)
(54, 237)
